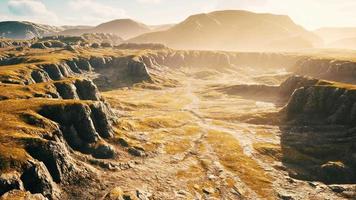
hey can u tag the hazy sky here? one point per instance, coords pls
(309, 13)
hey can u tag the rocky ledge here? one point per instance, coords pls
(44, 163)
(318, 142)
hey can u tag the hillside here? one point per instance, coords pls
(234, 30)
(332, 34)
(125, 28)
(25, 30)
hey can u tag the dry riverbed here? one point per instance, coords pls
(198, 143)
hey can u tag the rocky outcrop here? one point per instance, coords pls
(82, 89)
(87, 90)
(39, 45)
(36, 179)
(11, 61)
(318, 141)
(66, 90)
(10, 181)
(333, 104)
(83, 125)
(330, 69)
(287, 88)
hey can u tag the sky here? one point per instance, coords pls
(311, 14)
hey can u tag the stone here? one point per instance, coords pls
(10, 181)
(208, 190)
(95, 45)
(22, 195)
(335, 172)
(37, 179)
(136, 151)
(104, 151)
(70, 48)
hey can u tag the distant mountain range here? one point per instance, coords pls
(234, 30)
(219, 30)
(125, 28)
(25, 30)
(338, 37)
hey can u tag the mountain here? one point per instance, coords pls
(233, 30)
(332, 34)
(25, 30)
(125, 28)
(161, 27)
(345, 43)
(66, 27)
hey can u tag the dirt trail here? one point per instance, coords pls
(200, 149)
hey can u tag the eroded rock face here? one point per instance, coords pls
(295, 82)
(83, 125)
(56, 157)
(66, 90)
(103, 119)
(337, 70)
(330, 103)
(87, 90)
(53, 71)
(77, 115)
(37, 179)
(319, 139)
(84, 65)
(40, 76)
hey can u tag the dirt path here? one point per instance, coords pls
(198, 149)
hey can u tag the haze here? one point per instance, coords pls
(310, 14)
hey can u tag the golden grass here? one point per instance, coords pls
(231, 156)
(269, 150)
(15, 130)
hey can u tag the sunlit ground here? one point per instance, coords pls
(200, 143)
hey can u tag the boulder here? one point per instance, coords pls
(10, 181)
(37, 179)
(22, 195)
(95, 45)
(104, 151)
(336, 172)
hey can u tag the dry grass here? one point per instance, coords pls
(17, 131)
(270, 151)
(231, 156)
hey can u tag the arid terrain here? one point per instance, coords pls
(148, 122)
(229, 105)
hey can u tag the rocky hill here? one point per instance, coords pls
(25, 30)
(125, 28)
(234, 30)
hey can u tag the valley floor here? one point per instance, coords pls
(201, 143)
